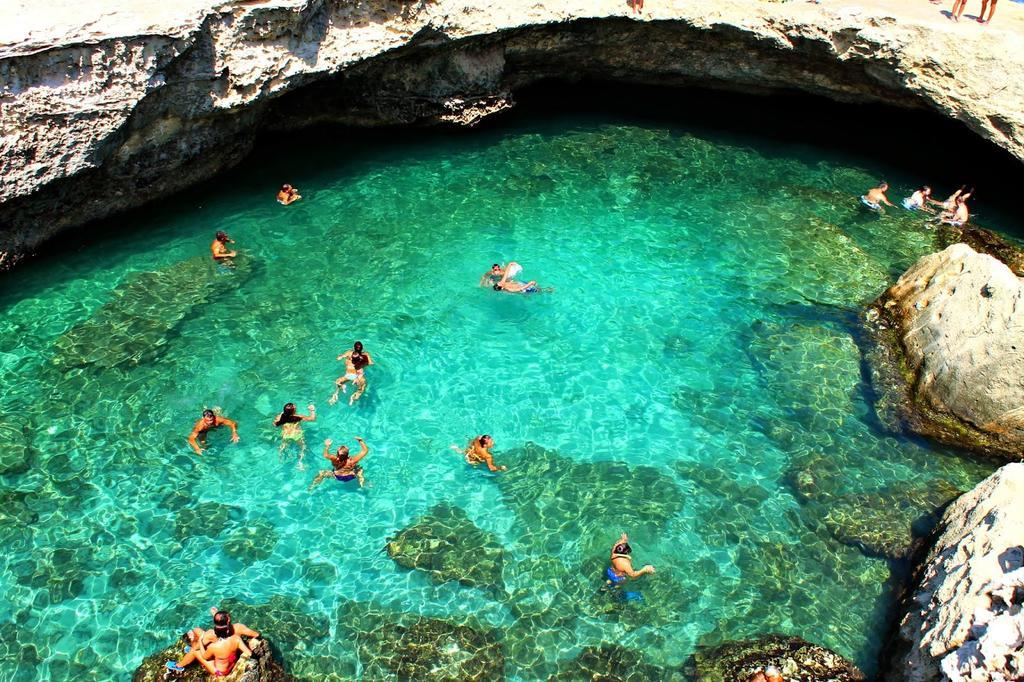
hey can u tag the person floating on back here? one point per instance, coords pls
(622, 564)
(343, 467)
(875, 197)
(219, 247)
(287, 195)
(209, 420)
(479, 452)
(290, 423)
(509, 285)
(356, 362)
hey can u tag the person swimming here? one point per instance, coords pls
(959, 215)
(518, 287)
(219, 248)
(287, 195)
(493, 276)
(344, 468)
(209, 421)
(875, 197)
(356, 362)
(290, 423)
(479, 452)
(622, 564)
(919, 200)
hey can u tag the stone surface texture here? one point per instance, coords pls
(965, 619)
(796, 659)
(954, 322)
(107, 105)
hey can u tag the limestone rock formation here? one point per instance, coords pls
(448, 546)
(965, 619)
(260, 668)
(108, 106)
(948, 361)
(795, 658)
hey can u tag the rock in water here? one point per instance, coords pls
(611, 663)
(415, 647)
(448, 546)
(260, 668)
(964, 620)
(795, 659)
(949, 353)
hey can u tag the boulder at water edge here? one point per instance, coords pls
(949, 362)
(964, 620)
(260, 668)
(795, 658)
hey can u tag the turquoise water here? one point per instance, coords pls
(693, 380)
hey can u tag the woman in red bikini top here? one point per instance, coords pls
(219, 658)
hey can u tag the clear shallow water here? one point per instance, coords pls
(693, 380)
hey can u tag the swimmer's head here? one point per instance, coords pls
(343, 454)
(223, 237)
(289, 409)
(496, 268)
(883, 186)
(358, 346)
(623, 548)
(209, 417)
(772, 674)
(486, 441)
(222, 624)
(925, 189)
(498, 287)
(286, 188)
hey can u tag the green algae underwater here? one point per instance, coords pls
(694, 379)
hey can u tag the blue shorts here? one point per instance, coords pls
(614, 577)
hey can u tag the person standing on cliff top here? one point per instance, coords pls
(637, 5)
(219, 248)
(981, 15)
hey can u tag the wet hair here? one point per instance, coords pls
(222, 626)
(925, 189)
(343, 456)
(286, 412)
(497, 287)
(884, 184)
(285, 188)
(484, 437)
(222, 236)
(209, 413)
(623, 548)
(358, 346)
(495, 266)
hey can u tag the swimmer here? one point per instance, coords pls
(919, 200)
(521, 288)
(876, 197)
(200, 639)
(959, 216)
(492, 277)
(479, 450)
(950, 203)
(210, 420)
(291, 430)
(287, 195)
(356, 362)
(344, 468)
(219, 247)
(622, 564)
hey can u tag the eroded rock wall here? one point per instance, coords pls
(964, 620)
(950, 356)
(113, 114)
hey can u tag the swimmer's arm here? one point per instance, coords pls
(369, 359)
(246, 631)
(363, 451)
(636, 574)
(489, 461)
(246, 651)
(204, 661)
(885, 200)
(327, 450)
(231, 424)
(344, 355)
(194, 435)
(311, 417)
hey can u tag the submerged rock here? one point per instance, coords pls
(557, 499)
(948, 353)
(134, 325)
(252, 542)
(260, 668)
(795, 658)
(206, 518)
(281, 618)
(414, 647)
(612, 663)
(888, 522)
(965, 618)
(448, 546)
(15, 457)
(983, 241)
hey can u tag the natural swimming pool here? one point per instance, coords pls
(694, 380)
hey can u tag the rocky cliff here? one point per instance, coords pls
(965, 621)
(948, 362)
(104, 107)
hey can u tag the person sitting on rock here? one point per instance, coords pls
(210, 420)
(344, 468)
(287, 195)
(622, 564)
(768, 674)
(204, 642)
(219, 247)
(875, 197)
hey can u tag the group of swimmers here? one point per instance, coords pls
(953, 211)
